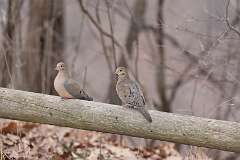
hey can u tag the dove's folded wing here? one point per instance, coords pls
(72, 87)
(75, 90)
(138, 94)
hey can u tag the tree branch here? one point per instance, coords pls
(229, 25)
(85, 11)
(94, 116)
(112, 33)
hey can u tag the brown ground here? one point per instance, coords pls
(29, 141)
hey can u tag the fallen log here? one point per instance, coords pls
(95, 116)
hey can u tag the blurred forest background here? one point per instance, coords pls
(185, 54)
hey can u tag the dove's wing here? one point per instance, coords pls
(137, 93)
(140, 101)
(130, 93)
(75, 90)
(140, 92)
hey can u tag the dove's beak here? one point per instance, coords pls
(56, 68)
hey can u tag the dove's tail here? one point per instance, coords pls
(88, 98)
(85, 96)
(145, 113)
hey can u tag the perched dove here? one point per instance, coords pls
(66, 87)
(130, 93)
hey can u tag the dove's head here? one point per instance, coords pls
(121, 72)
(60, 66)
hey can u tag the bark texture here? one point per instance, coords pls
(95, 116)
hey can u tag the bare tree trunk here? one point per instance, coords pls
(161, 79)
(43, 47)
(8, 42)
(137, 20)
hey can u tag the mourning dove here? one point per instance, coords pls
(130, 93)
(66, 87)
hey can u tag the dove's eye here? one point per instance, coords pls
(120, 70)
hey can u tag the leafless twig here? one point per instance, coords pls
(84, 79)
(85, 11)
(102, 39)
(112, 33)
(137, 59)
(229, 25)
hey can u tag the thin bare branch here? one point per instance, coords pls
(112, 33)
(229, 25)
(137, 59)
(102, 39)
(85, 11)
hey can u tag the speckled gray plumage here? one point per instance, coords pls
(130, 93)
